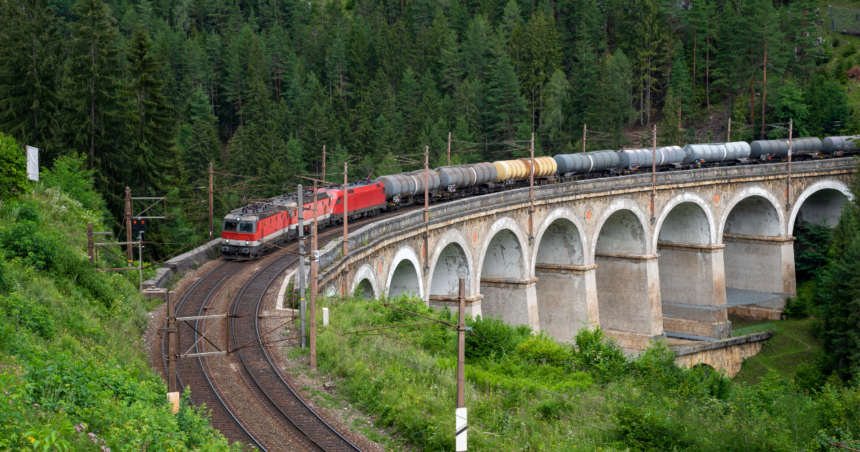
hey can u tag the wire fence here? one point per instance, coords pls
(845, 20)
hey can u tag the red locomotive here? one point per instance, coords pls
(261, 226)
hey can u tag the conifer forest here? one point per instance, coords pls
(147, 92)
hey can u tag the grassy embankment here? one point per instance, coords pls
(792, 345)
(526, 392)
(73, 369)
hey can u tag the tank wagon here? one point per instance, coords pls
(836, 146)
(261, 226)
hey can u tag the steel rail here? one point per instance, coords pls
(226, 266)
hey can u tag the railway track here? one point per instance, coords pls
(191, 372)
(269, 387)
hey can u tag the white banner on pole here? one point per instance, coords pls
(461, 430)
(33, 163)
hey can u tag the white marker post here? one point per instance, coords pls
(33, 163)
(461, 431)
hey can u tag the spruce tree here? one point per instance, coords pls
(90, 85)
(29, 61)
(198, 140)
(506, 106)
(679, 85)
(557, 98)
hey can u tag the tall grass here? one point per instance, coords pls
(526, 392)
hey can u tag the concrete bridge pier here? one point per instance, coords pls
(566, 287)
(693, 290)
(628, 288)
(567, 299)
(760, 263)
(514, 300)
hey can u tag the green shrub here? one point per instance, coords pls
(24, 240)
(808, 377)
(543, 348)
(27, 313)
(493, 337)
(70, 175)
(13, 169)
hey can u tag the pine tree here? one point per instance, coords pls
(89, 89)
(679, 85)
(198, 140)
(466, 107)
(29, 61)
(557, 99)
(506, 106)
(476, 48)
(359, 54)
(612, 94)
(582, 81)
(451, 71)
(669, 132)
(543, 57)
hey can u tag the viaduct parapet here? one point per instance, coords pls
(720, 239)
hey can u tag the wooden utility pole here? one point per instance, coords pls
(345, 289)
(788, 179)
(323, 170)
(449, 148)
(171, 343)
(426, 209)
(211, 204)
(729, 135)
(461, 432)
(303, 308)
(654, 178)
(90, 246)
(532, 188)
(584, 134)
(312, 317)
(128, 251)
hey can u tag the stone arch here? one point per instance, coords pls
(503, 275)
(451, 248)
(826, 195)
(691, 269)
(700, 220)
(506, 242)
(626, 278)
(404, 274)
(365, 281)
(563, 282)
(550, 220)
(758, 254)
(627, 233)
(764, 217)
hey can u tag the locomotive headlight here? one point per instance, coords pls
(247, 243)
(226, 241)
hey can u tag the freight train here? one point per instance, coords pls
(261, 226)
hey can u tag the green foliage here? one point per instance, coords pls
(13, 170)
(810, 248)
(74, 373)
(526, 390)
(70, 175)
(28, 313)
(24, 240)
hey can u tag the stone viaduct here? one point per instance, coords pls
(718, 240)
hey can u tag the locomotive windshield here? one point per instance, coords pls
(246, 226)
(230, 225)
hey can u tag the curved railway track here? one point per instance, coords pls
(191, 372)
(268, 385)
